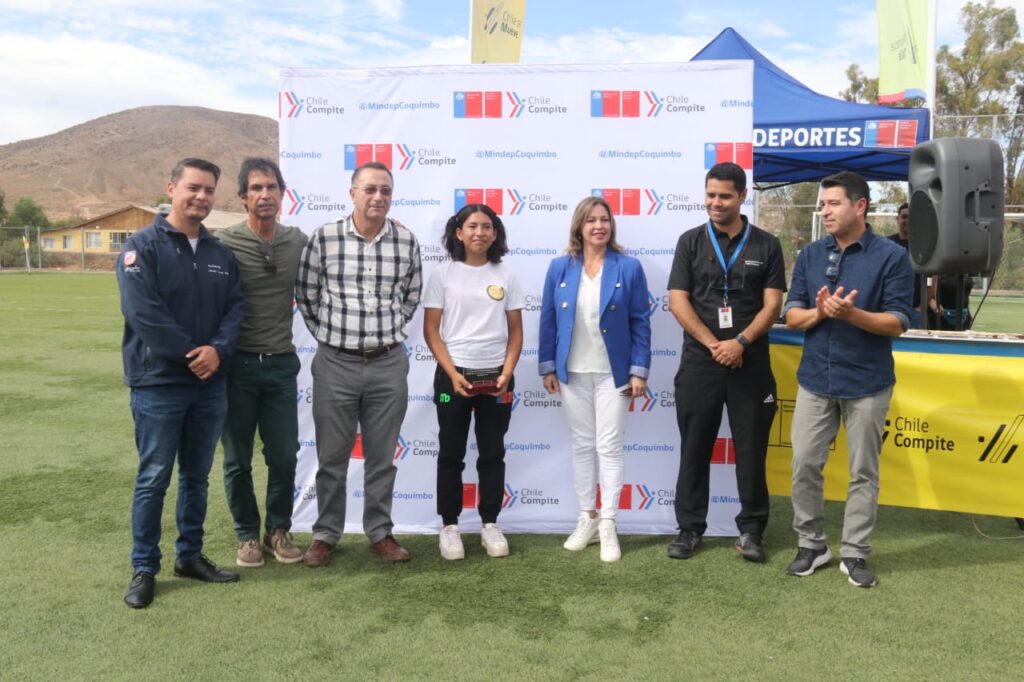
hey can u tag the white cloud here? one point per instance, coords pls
(771, 30)
(610, 46)
(388, 9)
(68, 80)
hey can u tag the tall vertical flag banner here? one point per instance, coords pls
(496, 31)
(905, 58)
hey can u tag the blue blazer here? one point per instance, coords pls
(625, 316)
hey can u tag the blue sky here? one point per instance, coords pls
(63, 62)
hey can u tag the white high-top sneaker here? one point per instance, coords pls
(493, 540)
(450, 542)
(585, 533)
(609, 541)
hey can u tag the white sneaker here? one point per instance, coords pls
(585, 533)
(609, 541)
(493, 540)
(451, 543)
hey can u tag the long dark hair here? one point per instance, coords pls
(455, 248)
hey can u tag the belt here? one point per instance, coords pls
(368, 353)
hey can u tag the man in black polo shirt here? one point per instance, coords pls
(725, 289)
(903, 239)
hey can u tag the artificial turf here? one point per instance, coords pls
(947, 606)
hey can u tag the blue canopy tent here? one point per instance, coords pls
(802, 136)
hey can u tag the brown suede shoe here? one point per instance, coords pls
(387, 548)
(318, 554)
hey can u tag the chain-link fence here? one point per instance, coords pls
(33, 248)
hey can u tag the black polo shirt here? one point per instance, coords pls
(697, 270)
(905, 243)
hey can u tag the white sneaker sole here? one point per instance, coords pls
(495, 550)
(844, 571)
(249, 564)
(576, 547)
(815, 565)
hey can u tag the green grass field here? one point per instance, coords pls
(947, 606)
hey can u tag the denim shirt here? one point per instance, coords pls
(839, 359)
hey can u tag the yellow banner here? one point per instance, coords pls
(496, 31)
(903, 59)
(951, 439)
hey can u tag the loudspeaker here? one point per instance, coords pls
(956, 206)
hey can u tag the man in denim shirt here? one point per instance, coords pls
(851, 293)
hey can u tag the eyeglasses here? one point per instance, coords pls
(267, 251)
(385, 191)
(832, 271)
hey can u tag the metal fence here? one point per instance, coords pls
(24, 248)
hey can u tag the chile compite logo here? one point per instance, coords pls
(624, 103)
(740, 153)
(289, 105)
(490, 104)
(646, 496)
(509, 497)
(401, 448)
(297, 201)
(358, 154)
(492, 198)
(626, 201)
(643, 403)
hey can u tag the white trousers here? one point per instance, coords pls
(596, 414)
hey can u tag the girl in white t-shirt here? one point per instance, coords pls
(473, 324)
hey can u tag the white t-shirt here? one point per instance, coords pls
(587, 352)
(474, 300)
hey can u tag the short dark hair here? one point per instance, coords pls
(728, 171)
(262, 165)
(904, 205)
(199, 164)
(371, 165)
(855, 187)
(455, 248)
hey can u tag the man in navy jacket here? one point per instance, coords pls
(182, 303)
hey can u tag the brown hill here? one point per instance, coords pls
(125, 158)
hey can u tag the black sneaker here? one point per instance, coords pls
(751, 547)
(685, 544)
(808, 560)
(858, 571)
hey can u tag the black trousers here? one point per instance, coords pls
(454, 413)
(750, 401)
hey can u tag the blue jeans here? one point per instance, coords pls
(182, 422)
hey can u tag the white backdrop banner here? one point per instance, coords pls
(529, 141)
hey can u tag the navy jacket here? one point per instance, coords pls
(174, 301)
(625, 316)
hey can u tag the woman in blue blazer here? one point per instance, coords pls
(595, 347)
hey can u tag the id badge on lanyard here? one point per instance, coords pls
(725, 312)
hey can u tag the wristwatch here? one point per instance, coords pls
(742, 340)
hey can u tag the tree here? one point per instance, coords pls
(3, 211)
(986, 79)
(27, 212)
(979, 91)
(862, 88)
(70, 221)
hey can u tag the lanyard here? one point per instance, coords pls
(721, 257)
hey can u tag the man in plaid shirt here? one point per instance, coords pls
(358, 286)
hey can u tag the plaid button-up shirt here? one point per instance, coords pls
(359, 294)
